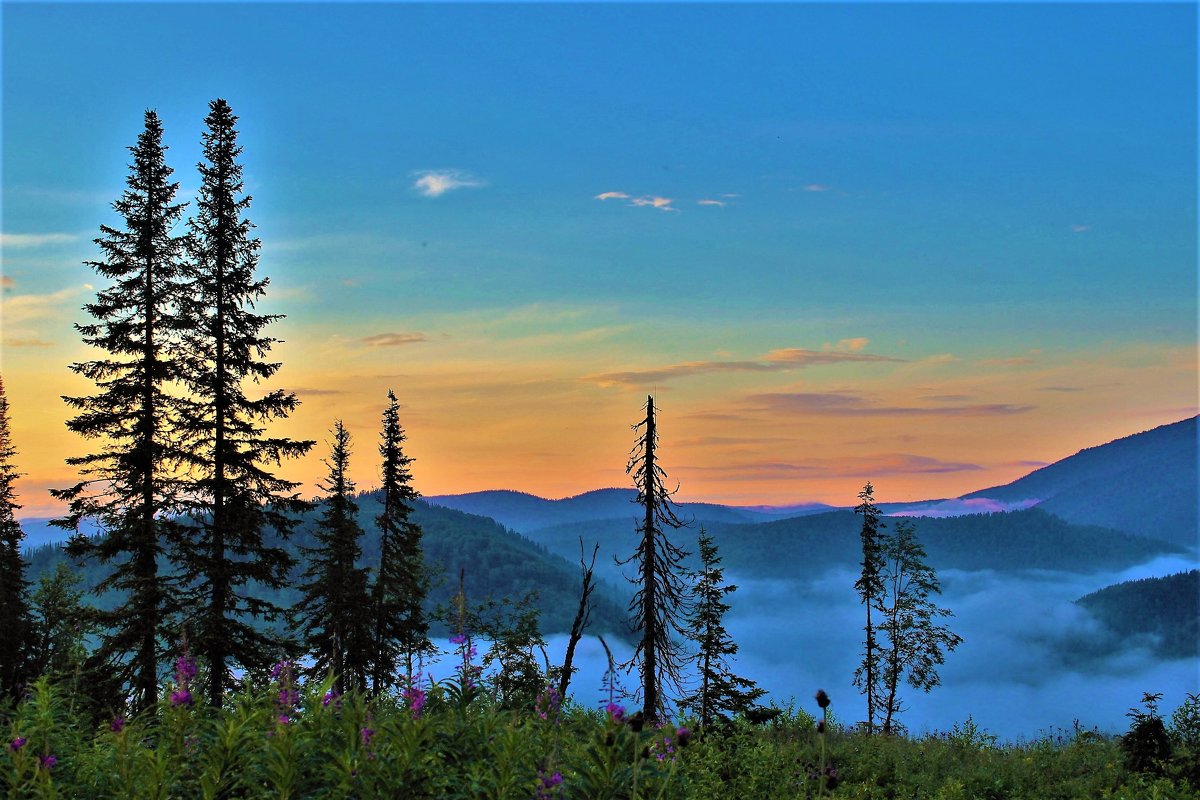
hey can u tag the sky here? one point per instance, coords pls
(931, 246)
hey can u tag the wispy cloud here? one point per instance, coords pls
(1080, 228)
(1015, 361)
(853, 405)
(846, 467)
(709, 202)
(853, 345)
(27, 343)
(394, 339)
(22, 307)
(817, 187)
(612, 196)
(314, 392)
(6, 282)
(788, 358)
(959, 508)
(1060, 389)
(653, 201)
(436, 182)
(30, 240)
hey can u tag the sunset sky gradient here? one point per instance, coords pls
(933, 246)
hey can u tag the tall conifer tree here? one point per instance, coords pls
(870, 588)
(129, 483)
(720, 691)
(660, 603)
(235, 495)
(16, 625)
(337, 629)
(400, 629)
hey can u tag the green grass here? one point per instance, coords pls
(462, 745)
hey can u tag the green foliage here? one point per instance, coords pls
(1147, 746)
(350, 746)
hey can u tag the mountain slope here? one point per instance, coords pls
(1164, 611)
(498, 563)
(525, 512)
(1144, 484)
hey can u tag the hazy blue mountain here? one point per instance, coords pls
(39, 531)
(1018, 540)
(1144, 484)
(1161, 612)
(525, 512)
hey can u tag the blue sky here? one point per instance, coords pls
(1002, 193)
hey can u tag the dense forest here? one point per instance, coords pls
(1163, 613)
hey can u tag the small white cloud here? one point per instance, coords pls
(720, 203)
(1080, 228)
(653, 201)
(731, 195)
(816, 187)
(612, 196)
(15, 240)
(436, 182)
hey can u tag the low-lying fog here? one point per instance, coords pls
(1031, 660)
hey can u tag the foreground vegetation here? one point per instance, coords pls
(451, 740)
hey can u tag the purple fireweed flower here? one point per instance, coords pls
(281, 668)
(366, 734)
(181, 697)
(458, 638)
(415, 697)
(289, 697)
(284, 719)
(48, 761)
(822, 698)
(332, 696)
(17, 743)
(683, 736)
(117, 725)
(616, 712)
(185, 669)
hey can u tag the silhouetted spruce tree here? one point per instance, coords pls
(333, 612)
(130, 481)
(400, 629)
(227, 559)
(16, 625)
(720, 692)
(660, 602)
(914, 643)
(870, 589)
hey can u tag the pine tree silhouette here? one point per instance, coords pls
(16, 624)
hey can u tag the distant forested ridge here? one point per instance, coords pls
(498, 563)
(1016, 540)
(1165, 609)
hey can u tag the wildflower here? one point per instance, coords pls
(185, 669)
(288, 697)
(548, 703)
(366, 734)
(415, 697)
(181, 697)
(616, 712)
(683, 736)
(117, 725)
(284, 719)
(458, 638)
(822, 698)
(548, 783)
(332, 696)
(821, 726)
(281, 668)
(17, 743)
(48, 761)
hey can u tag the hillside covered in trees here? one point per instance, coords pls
(1161, 612)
